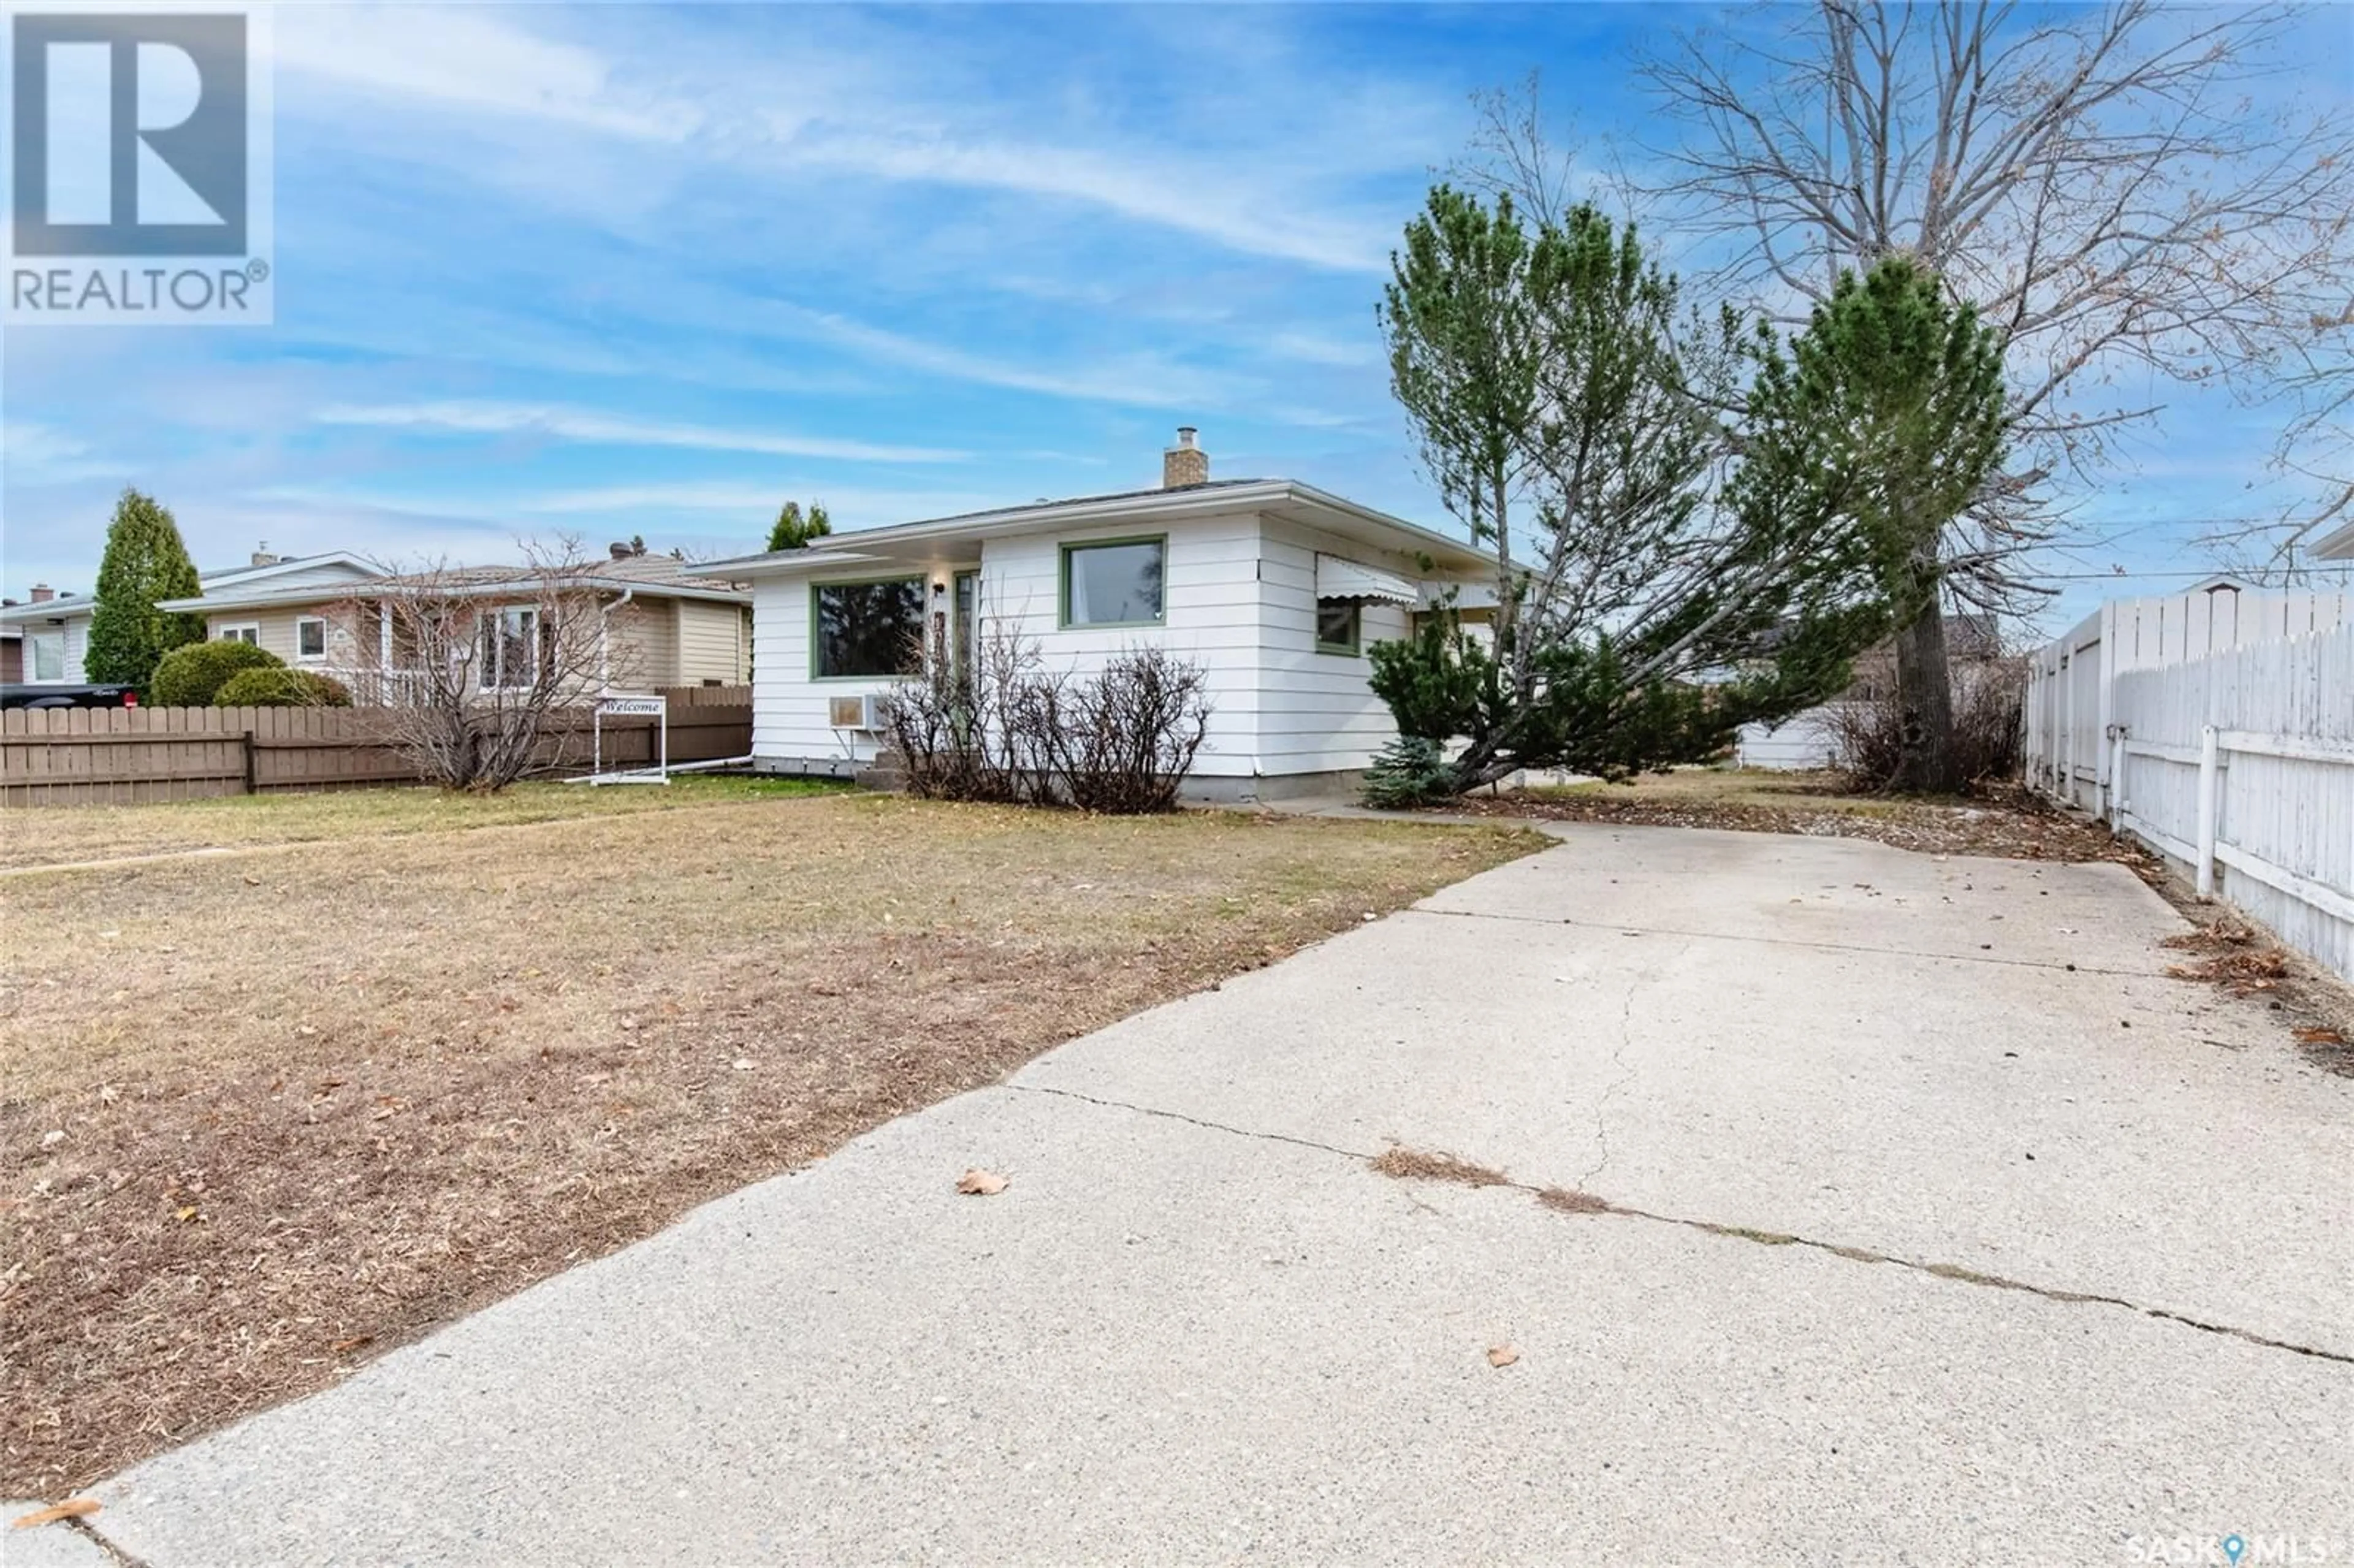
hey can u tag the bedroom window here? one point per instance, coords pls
(1114, 582)
(1338, 625)
(865, 631)
(310, 637)
(49, 653)
(247, 633)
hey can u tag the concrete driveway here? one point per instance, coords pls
(1962, 1235)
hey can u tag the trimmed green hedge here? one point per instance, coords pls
(191, 675)
(282, 688)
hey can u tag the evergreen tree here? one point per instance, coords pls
(144, 561)
(1888, 413)
(795, 529)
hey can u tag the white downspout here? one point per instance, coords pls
(604, 651)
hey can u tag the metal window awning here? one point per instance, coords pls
(1337, 578)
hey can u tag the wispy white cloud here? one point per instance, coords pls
(1318, 349)
(461, 57)
(34, 453)
(1231, 211)
(1140, 380)
(852, 507)
(588, 427)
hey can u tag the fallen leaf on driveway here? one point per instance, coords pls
(1503, 1355)
(74, 1509)
(2320, 1037)
(980, 1183)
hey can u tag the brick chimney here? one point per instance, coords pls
(1185, 464)
(43, 593)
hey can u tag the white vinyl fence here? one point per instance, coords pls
(2225, 741)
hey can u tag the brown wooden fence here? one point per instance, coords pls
(96, 756)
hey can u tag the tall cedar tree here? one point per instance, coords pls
(794, 529)
(1641, 621)
(1889, 411)
(144, 561)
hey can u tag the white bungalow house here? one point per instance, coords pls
(1277, 588)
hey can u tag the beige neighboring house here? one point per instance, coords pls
(670, 625)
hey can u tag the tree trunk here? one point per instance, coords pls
(1925, 691)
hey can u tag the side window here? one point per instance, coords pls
(1115, 583)
(1338, 625)
(310, 637)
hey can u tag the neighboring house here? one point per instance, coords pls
(1275, 588)
(2336, 546)
(50, 630)
(1809, 738)
(670, 624)
(41, 641)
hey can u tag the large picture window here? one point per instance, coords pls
(1115, 583)
(866, 628)
(510, 649)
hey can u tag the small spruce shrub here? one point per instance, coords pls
(191, 675)
(1409, 771)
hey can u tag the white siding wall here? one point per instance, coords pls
(788, 708)
(1210, 615)
(1317, 714)
(1801, 743)
(77, 635)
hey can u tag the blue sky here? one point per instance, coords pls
(609, 270)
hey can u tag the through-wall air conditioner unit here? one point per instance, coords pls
(854, 712)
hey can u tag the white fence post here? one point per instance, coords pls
(2209, 777)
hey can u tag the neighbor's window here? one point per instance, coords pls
(1337, 624)
(49, 655)
(309, 638)
(1114, 584)
(866, 628)
(242, 634)
(510, 649)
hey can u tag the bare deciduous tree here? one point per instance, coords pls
(2113, 187)
(468, 666)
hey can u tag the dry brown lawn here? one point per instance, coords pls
(270, 1112)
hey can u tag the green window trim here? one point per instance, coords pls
(1063, 620)
(1356, 642)
(923, 591)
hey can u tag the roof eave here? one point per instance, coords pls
(851, 547)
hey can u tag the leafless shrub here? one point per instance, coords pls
(1129, 737)
(466, 667)
(1990, 702)
(1009, 729)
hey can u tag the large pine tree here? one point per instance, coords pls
(146, 561)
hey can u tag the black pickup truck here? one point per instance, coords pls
(28, 696)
